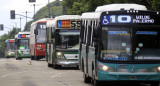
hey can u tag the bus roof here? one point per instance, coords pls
(115, 7)
(51, 23)
(91, 15)
(9, 39)
(16, 36)
(43, 20)
(24, 33)
(65, 17)
(111, 7)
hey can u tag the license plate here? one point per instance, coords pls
(132, 77)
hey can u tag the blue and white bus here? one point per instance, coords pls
(120, 42)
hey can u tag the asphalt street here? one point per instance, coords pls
(36, 73)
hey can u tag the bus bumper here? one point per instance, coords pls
(68, 63)
(105, 76)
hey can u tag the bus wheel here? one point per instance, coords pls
(86, 79)
(57, 66)
(49, 65)
(96, 82)
(32, 58)
(154, 83)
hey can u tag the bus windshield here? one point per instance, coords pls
(67, 39)
(41, 28)
(117, 46)
(116, 43)
(10, 46)
(23, 44)
(147, 44)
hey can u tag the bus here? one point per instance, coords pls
(62, 41)
(37, 39)
(22, 45)
(9, 48)
(120, 42)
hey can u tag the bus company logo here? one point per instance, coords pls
(122, 66)
(106, 20)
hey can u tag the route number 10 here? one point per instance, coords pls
(120, 19)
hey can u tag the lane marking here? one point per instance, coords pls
(55, 76)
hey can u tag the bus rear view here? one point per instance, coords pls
(125, 45)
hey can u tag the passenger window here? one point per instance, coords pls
(82, 31)
(85, 32)
(92, 26)
(89, 32)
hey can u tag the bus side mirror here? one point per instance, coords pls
(35, 32)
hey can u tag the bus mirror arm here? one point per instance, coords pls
(35, 32)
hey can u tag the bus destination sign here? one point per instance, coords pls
(68, 24)
(124, 19)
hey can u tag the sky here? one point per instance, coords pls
(20, 7)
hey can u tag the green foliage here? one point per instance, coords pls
(156, 5)
(27, 26)
(81, 6)
(55, 10)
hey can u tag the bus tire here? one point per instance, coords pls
(49, 65)
(32, 58)
(36, 58)
(86, 79)
(154, 83)
(56, 66)
(96, 82)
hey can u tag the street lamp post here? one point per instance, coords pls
(48, 8)
(34, 12)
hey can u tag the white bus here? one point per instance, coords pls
(22, 45)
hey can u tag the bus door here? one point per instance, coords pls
(84, 52)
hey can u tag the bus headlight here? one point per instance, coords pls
(156, 69)
(20, 52)
(105, 67)
(9, 53)
(59, 55)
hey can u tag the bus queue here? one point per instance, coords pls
(116, 42)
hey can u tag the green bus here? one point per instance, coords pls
(22, 45)
(62, 41)
(120, 42)
(9, 48)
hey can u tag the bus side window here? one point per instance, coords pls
(86, 37)
(52, 32)
(47, 35)
(92, 28)
(95, 34)
(82, 32)
(85, 32)
(89, 32)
